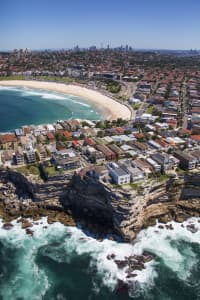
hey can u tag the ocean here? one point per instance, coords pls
(60, 262)
(64, 263)
(24, 106)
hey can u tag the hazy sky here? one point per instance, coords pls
(36, 24)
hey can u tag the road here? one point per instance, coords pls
(184, 106)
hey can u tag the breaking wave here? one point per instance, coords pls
(28, 92)
(56, 260)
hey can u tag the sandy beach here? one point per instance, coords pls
(110, 108)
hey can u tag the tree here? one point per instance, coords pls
(100, 134)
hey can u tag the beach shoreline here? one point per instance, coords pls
(111, 109)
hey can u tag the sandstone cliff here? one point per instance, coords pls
(91, 200)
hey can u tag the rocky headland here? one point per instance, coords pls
(96, 206)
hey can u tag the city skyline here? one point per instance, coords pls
(62, 24)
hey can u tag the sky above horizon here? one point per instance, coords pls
(143, 24)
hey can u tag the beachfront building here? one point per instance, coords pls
(41, 152)
(154, 164)
(30, 155)
(8, 141)
(118, 175)
(19, 156)
(66, 163)
(143, 165)
(135, 173)
(163, 159)
(187, 161)
(196, 154)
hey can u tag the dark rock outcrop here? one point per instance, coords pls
(92, 201)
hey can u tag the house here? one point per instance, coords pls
(41, 152)
(119, 130)
(174, 162)
(164, 146)
(66, 163)
(143, 165)
(187, 161)
(140, 146)
(196, 138)
(40, 129)
(88, 150)
(96, 172)
(67, 134)
(19, 132)
(73, 125)
(58, 128)
(118, 151)
(30, 154)
(99, 157)
(64, 153)
(163, 159)
(50, 128)
(135, 173)
(109, 154)
(89, 141)
(7, 157)
(76, 134)
(50, 136)
(8, 141)
(154, 164)
(19, 156)
(76, 144)
(118, 175)
(146, 118)
(196, 154)
(175, 141)
(154, 144)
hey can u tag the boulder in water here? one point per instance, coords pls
(26, 224)
(7, 226)
(192, 228)
(29, 231)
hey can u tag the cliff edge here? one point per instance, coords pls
(89, 199)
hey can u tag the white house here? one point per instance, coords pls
(119, 175)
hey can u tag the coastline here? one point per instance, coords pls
(110, 108)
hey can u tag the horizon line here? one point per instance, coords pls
(98, 48)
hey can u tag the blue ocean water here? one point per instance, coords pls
(60, 262)
(23, 106)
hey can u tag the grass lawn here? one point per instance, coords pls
(51, 171)
(29, 169)
(19, 77)
(136, 106)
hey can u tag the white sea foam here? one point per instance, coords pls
(164, 243)
(80, 103)
(44, 95)
(10, 88)
(27, 92)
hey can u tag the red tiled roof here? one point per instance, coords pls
(161, 143)
(67, 134)
(139, 135)
(76, 143)
(50, 136)
(119, 130)
(89, 141)
(185, 131)
(7, 138)
(196, 137)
